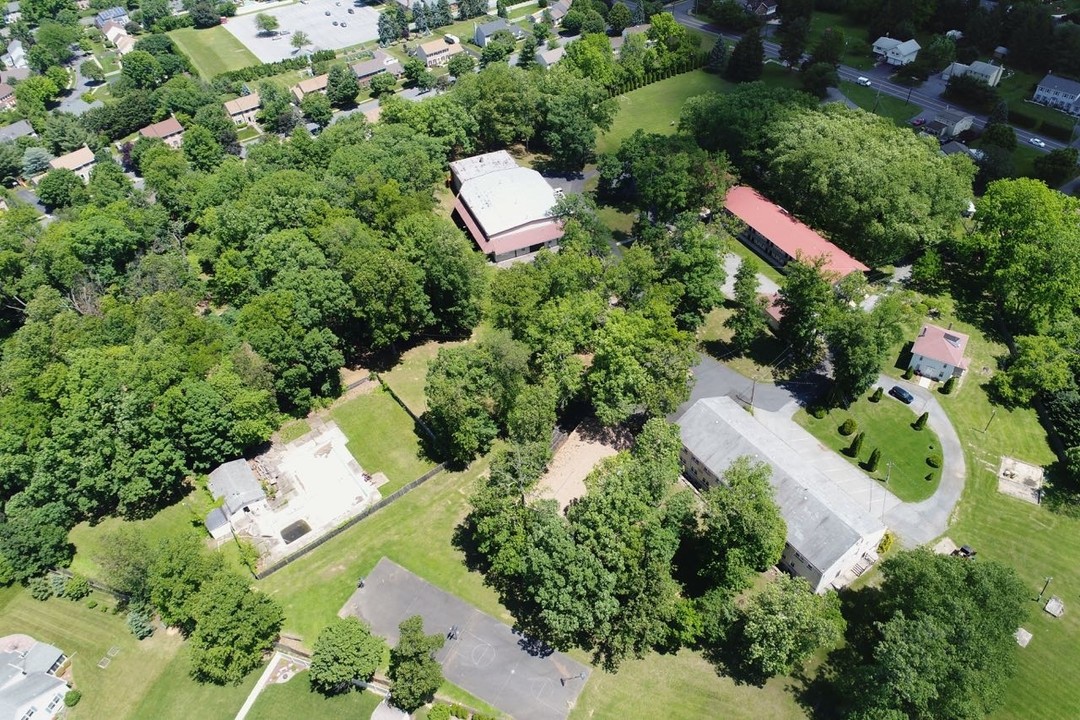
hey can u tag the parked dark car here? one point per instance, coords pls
(902, 395)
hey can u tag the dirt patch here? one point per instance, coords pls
(332, 571)
(1020, 480)
(587, 445)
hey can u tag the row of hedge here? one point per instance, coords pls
(225, 80)
(1048, 128)
(679, 68)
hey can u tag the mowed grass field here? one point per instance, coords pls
(867, 98)
(213, 51)
(296, 699)
(887, 425)
(408, 377)
(382, 438)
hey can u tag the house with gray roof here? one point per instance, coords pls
(117, 14)
(1058, 92)
(15, 57)
(240, 493)
(830, 538)
(16, 130)
(484, 32)
(29, 686)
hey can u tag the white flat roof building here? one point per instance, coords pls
(473, 167)
(828, 534)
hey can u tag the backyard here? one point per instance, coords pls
(213, 51)
(888, 427)
(408, 377)
(297, 699)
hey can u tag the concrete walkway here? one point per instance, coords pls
(731, 265)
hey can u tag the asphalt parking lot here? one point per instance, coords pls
(361, 26)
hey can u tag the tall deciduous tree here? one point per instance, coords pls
(414, 674)
(234, 627)
(747, 58)
(747, 322)
(266, 23)
(342, 86)
(344, 651)
(804, 302)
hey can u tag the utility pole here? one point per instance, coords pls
(992, 416)
(1045, 585)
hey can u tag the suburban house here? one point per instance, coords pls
(116, 14)
(7, 96)
(124, 45)
(315, 84)
(381, 62)
(507, 209)
(30, 686)
(948, 124)
(16, 130)
(113, 31)
(437, 52)
(547, 58)
(15, 57)
(80, 162)
(243, 109)
(240, 493)
(773, 233)
(554, 12)
(895, 52)
(1058, 92)
(938, 353)
(831, 539)
(988, 73)
(761, 8)
(483, 33)
(169, 130)
(618, 42)
(12, 13)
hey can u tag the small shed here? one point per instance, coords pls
(236, 485)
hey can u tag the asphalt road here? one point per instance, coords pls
(918, 96)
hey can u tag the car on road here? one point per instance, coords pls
(327, 13)
(344, 24)
(1036, 142)
(350, 11)
(901, 394)
(918, 122)
(334, 23)
(864, 81)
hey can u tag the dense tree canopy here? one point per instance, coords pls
(344, 651)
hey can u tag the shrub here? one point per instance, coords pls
(72, 698)
(934, 460)
(439, 711)
(77, 588)
(855, 447)
(872, 463)
(947, 388)
(140, 624)
(322, 56)
(876, 397)
(920, 422)
(848, 427)
(459, 712)
(92, 603)
(908, 374)
(58, 584)
(40, 589)
(818, 412)
(887, 541)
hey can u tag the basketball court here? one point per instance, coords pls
(485, 657)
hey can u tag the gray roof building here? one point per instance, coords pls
(827, 532)
(484, 32)
(1061, 84)
(16, 130)
(236, 484)
(117, 14)
(28, 685)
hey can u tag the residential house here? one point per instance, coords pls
(30, 686)
(437, 52)
(169, 130)
(938, 353)
(16, 130)
(948, 124)
(554, 12)
(954, 148)
(315, 84)
(831, 539)
(618, 42)
(112, 31)
(16, 74)
(774, 234)
(548, 58)
(1058, 92)
(761, 8)
(80, 162)
(483, 33)
(505, 208)
(243, 109)
(895, 52)
(240, 493)
(7, 96)
(381, 62)
(116, 14)
(987, 72)
(124, 45)
(12, 13)
(15, 57)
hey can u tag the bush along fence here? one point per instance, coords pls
(683, 66)
(401, 492)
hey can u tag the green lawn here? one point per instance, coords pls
(736, 247)
(382, 438)
(213, 51)
(296, 699)
(175, 696)
(409, 375)
(520, 13)
(292, 430)
(888, 106)
(86, 636)
(656, 108)
(858, 52)
(681, 686)
(887, 425)
(757, 364)
(1017, 87)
